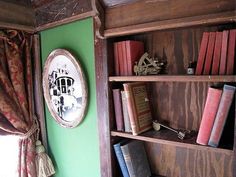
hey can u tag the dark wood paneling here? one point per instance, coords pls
(103, 106)
(110, 3)
(149, 11)
(19, 2)
(180, 104)
(58, 10)
(38, 91)
(16, 16)
(173, 161)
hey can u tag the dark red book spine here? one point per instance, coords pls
(216, 56)
(124, 58)
(208, 117)
(231, 52)
(209, 54)
(222, 114)
(202, 53)
(120, 56)
(116, 59)
(118, 109)
(224, 52)
(135, 49)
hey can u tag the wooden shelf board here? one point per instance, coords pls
(169, 138)
(224, 17)
(175, 78)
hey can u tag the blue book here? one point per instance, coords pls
(121, 159)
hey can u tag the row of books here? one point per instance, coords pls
(132, 108)
(132, 158)
(215, 114)
(217, 53)
(126, 53)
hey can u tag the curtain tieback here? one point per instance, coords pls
(31, 131)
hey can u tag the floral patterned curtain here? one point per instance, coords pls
(16, 96)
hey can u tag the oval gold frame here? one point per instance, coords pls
(58, 88)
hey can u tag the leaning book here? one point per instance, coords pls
(138, 105)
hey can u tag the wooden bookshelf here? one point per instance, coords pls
(176, 98)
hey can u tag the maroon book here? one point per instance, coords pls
(231, 52)
(216, 56)
(134, 51)
(208, 116)
(202, 53)
(223, 56)
(116, 59)
(222, 114)
(118, 109)
(209, 54)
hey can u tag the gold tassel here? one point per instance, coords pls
(44, 166)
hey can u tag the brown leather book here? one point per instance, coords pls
(138, 107)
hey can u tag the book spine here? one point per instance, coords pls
(222, 114)
(121, 160)
(223, 56)
(128, 160)
(120, 56)
(116, 60)
(131, 112)
(231, 52)
(118, 109)
(209, 55)
(208, 117)
(202, 53)
(125, 112)
(124, 58)
(216, 56)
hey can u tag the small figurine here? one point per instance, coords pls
(148, 65)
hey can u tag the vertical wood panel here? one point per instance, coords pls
(183, 162)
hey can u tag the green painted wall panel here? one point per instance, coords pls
(75, 152)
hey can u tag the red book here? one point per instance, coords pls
(223, 56)
(222, 114)
(120, 56)
(118, 109)
(116, 59)
(209, 54)
(208, 117)
(134, 49)
(202, 53)
(124, 58)
(216, 56)
(231, 52)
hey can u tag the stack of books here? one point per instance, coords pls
(132, 108)
(217, 53)
(132, 159)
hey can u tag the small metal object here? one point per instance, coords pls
(181, 133)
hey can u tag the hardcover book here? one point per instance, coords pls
(138, 105)
(209, 54)
(216, 56)
(134, 51)
(208, 117)
(223, 56)
(231, 52)
(136, 159)
(118, 109)
(222, 114)
(116, 59)
(202, 53)
(121, 160)
(125, 112)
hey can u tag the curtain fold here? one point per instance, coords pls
(16, 96)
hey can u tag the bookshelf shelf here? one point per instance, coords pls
(175, 78)
(167, 137)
